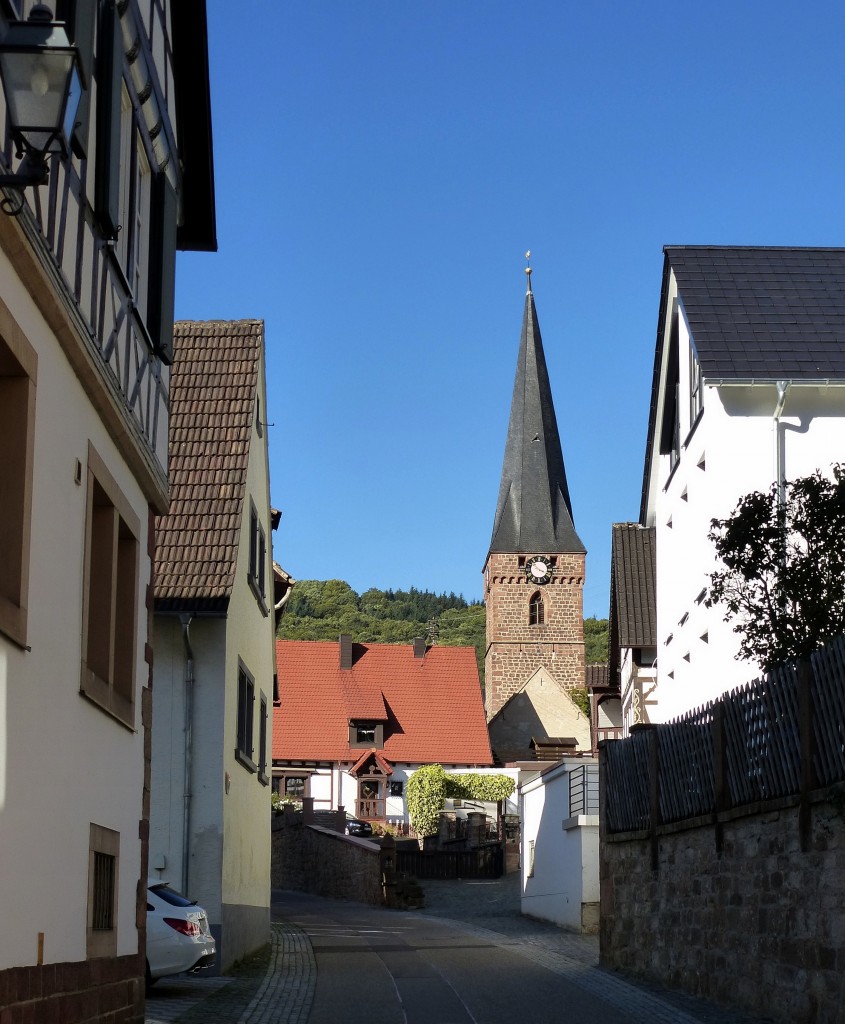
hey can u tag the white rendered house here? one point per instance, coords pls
(748, 389)
(560, 845)
(214, 638)
(87, 272)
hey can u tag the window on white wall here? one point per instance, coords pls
(18, 364)
(110, 595)
(257, 569)
(264, 719)
(103, 863)
(696, 391)
(246, 705)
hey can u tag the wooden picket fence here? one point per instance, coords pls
(780, 736)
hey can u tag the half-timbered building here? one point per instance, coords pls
(87, 263)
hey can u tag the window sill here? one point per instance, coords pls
(98, 692)
(13, 622)
(259, 597)
(263, 779)
(692, 429)
(246, 761)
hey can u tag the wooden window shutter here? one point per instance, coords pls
(109, 84)
(80, 17)
(161, 297)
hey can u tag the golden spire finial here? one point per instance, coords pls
(528, 271)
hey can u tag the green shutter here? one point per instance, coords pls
(109, 82)
(161, 295)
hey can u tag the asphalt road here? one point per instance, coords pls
(380, 967)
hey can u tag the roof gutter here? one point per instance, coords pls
(770, 382)
(780, 469)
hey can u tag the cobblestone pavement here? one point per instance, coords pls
(274, 987)
(277, 986)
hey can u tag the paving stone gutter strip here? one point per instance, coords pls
(275, 987)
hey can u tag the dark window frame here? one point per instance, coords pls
(357, 727)
(245, 737)
(536, 610)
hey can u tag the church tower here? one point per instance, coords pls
(534, 573)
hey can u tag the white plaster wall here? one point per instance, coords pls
(64, 763)
(730, 453)
(207, 782)
(566, 862)
(246, 805)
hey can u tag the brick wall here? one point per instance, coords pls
(105, 991)
(308, 858)
(760, 925)
(516, 649)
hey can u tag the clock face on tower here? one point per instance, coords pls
(539, 569)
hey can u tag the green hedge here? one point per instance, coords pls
(429, 787)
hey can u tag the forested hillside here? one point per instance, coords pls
(323, 609)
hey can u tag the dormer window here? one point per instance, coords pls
(366, 734)
(536, 610)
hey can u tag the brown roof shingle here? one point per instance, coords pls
(213, 386)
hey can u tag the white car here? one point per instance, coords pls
(178, 937)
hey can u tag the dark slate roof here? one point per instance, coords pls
(763, 313)
(633, 604)
(534, 512)
(213, 385)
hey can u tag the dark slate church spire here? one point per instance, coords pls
(534, 513)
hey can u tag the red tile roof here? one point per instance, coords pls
(434, 709)
(212, 409)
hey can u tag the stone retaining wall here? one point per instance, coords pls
(308, 858)
(759, 925)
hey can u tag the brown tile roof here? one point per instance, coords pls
(595, 675)
(213, 385)
(431, 707)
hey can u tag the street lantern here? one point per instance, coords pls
(39, 70)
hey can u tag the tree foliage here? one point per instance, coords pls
(430, 786)
(323, 609)
(595, 640)
(783, 579)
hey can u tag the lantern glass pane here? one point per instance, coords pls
(36, 87)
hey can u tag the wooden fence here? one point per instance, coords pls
(484, 862)
(780, 736)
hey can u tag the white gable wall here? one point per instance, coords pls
(730, 452)
(246, 795)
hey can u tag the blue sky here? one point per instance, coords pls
(381, 168)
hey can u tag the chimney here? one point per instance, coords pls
(419, 648)
(345, 650)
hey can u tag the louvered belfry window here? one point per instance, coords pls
(536, 610)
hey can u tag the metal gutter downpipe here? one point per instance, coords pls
(780, 474)
(185, 621)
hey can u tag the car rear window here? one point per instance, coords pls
(175, 899)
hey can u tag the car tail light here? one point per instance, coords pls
(185, 927)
